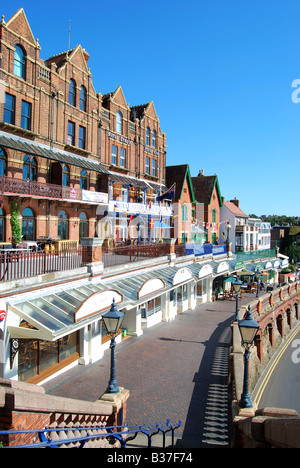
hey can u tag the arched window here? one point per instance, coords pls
(65, 176)
(3, 163)
(72, 93)
(148, 136)
(119, 123)
(84, 179)
(29, 168)
(83, 225)
(2, 225)
(213, 216)
(154, 139)
(62, 225)
(83, 95)
(20, 62)
(28, 224)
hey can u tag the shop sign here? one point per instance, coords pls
(205, 271)
(2, 315)
(150, 287)
(96, 303)
(223, 267)
(184, 274)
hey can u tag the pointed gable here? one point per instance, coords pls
(18, 23)
(181, 176)
(205, 187)
(78, 56)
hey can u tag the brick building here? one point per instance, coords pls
(70, 156)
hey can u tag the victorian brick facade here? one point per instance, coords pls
(66, 149)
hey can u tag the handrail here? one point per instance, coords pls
(123, 434)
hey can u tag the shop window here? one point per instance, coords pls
(29, 168)
(72, 93)
(84, 179)
(26, 115)
(83, 98)
(3, 163)
(9, 109)
(20, 62)
(62, 225)
(119, 123)
(28, 224)
(36, 356)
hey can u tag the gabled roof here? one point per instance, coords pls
(204, 188)
(19, 23)
(62, 58)
(234, 209)
(179, 174)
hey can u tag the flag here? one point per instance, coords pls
(169, 195)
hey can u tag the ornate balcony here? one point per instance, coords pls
(9, 185)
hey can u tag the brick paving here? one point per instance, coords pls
(177, 370)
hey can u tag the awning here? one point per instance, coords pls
(62, 311)
(39, 149)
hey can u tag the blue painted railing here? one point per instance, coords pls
(123, 434)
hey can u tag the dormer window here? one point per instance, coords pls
(19, 62)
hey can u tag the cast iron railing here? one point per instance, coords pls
(122, 434)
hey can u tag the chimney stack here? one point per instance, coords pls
(236, 202)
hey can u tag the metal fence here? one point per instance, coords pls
(131, 253)
(18, 263)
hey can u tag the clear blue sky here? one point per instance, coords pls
(220, 75)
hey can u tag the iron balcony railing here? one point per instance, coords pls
(65, 437)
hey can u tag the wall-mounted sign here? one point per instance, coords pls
(184, 274)
(2, 315)
(223, 266)
(96, 303)
(205, 271)
(150, 287)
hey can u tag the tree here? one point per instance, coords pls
(15, 220)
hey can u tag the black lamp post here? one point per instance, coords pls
(112, 321)
(248, 329)
(237, 287)
(257, 277)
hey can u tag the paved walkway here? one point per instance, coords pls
(176, 370)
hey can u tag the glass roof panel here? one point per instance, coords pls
(61, 304)
(55, 312)
(67, 296)
(36, 314)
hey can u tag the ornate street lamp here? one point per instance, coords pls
(112, 321)
(237, 287)
(257, 277)
(248, 329)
